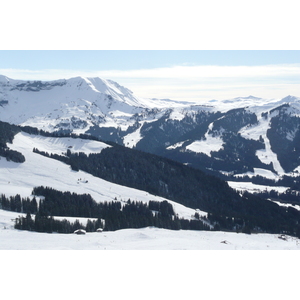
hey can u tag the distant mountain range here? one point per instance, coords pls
(234, 137)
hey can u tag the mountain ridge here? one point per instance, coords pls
(238, 136)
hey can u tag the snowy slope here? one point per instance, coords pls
(38, 170)
(206, 133)
(80, 103)
(208, 144)
(74, 104)
(149, 238)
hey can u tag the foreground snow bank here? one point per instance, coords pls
(149, 238)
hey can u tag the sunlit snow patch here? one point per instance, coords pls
(260, 172)
(176, 115)
(206, 146)
(131, 139)
(58, 145)
(252, 188)
(175, 146)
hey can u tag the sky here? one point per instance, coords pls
(192, 51)
(191, 75)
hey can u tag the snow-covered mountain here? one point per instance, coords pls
(38, 170)
(241, 136)
(237, 136)
(75, 104)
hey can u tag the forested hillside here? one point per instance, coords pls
(7, 133)
(109, 215)
(228, 209)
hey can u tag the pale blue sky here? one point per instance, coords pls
(195, 75)
(86, 60)
(254, 28)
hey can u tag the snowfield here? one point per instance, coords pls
(266, 155)
(46, 105)
(251, 187)
(149, 238)
(37, 170)
(207, 145)
(77, 104)
(58, 145)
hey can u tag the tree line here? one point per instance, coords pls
(183, 184)
(43, 223)
(187, 186)
(110, 216)
(7, 133)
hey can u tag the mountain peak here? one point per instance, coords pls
(290, 98)
(4, 79)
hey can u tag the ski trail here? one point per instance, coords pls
(267, 155)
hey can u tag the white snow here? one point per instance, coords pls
(177, 115)
(251, 187)
(149, 238)
(210, 143)
(58, 145)
(286, 204)
(266, 155)
(175, 145)
(131, 139)
(261, 172)
(16, 178)
(207, 145)
(38, 170)
(82, 102)
(88, 99)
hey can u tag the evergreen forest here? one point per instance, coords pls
(110, 216)
(227, 209)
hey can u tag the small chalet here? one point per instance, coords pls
(80, 231)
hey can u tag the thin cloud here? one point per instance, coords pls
(188, 82)
(180, 72)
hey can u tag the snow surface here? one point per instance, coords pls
(175, 145)
(251, 187)
(131, 139)
(149, 238)
(92, 100)
(16, 178)
(96, 100)
(208, 144)
(79, 103)
(260, 172)
(266, 155)
(58, 145)
(177, 115)
(286, 204)
(38, 170)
